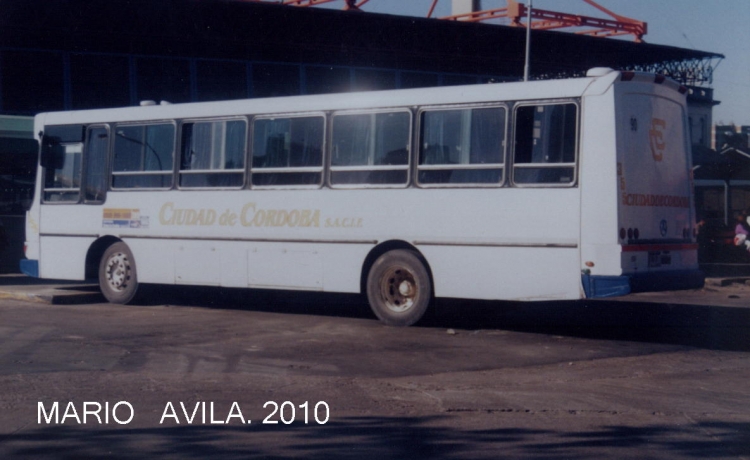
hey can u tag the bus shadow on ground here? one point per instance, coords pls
(428, 437)
(265, 300)
(702, 326)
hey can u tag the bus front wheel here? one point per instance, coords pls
(399, 288)
(118, 278)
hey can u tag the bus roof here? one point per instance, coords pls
(514, 91)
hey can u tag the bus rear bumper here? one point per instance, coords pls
(30, 267)
(614, 286)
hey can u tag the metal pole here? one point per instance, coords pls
(528, 43)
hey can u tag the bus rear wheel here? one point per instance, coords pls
(118, 278)
(399, 288)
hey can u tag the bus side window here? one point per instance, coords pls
(143, 156)
(213, 154)
(62, 180)
(462, 147)
(288, 151)
(370, 149)
(62, 149)
(545, 144)
(97, 152)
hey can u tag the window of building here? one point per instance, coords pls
(143, 156)
(418, 80)
(370, 148)
(213, 154)
(163, 79)
(288, 151)
(98, 81)
(710, 205)
(546, 138)
(370, 80)
(462, 146)
(271, 80)
(32, 82)
(740, 199)
(221, 80)
(327, 79)
(455, 80)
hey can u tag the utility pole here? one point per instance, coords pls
(527, 58)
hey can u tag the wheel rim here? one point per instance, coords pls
(399, 289)
(118, 271)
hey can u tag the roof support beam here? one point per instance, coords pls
(548, 20)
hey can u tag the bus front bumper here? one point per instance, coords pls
(614, 286)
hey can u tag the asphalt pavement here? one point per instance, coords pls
(651, 375)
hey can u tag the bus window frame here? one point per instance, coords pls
(512, 151)
(250, 152)
(330, 168)
(467, 167)
(247, 157)
(73, 134)
(45, 190)
(107, 165)
(171, 172)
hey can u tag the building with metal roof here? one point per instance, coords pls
(74, 54)
(79, 54)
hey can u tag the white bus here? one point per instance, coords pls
(544, 190)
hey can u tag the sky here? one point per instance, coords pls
(718, 26)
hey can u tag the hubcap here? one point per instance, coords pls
(118, 271)
(399, 289)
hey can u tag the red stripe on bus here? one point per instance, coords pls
(658, 247)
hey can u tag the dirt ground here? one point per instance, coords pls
(198, 372)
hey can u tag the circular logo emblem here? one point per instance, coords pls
(663, 227)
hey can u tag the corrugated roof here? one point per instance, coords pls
(227, 29)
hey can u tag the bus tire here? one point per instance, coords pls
(399, 288)
(118, 278)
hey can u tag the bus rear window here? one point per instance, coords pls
(143, 156)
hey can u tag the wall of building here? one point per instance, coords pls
(700, 115)
(78, 54)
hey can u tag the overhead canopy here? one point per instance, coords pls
(226, 29)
